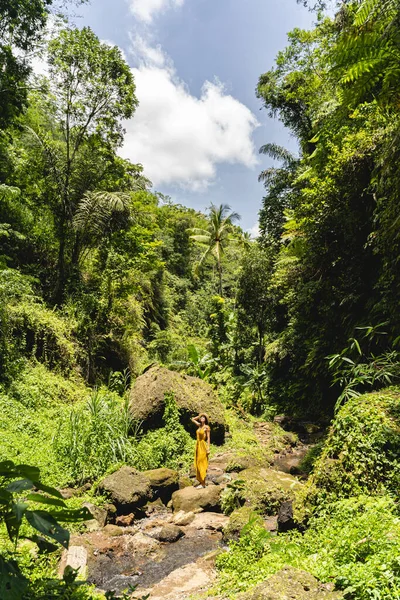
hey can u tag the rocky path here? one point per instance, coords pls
(162, 534)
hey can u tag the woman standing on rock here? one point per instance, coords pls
(202, 448)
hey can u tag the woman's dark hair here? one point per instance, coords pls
(205, 416)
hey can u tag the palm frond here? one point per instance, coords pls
(93, 214)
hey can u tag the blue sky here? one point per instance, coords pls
(196, 62)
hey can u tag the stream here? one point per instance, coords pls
(170, 569)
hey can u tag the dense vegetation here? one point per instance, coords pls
(100, 276)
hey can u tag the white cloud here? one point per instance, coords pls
(254, 231)
(145, 10)
(179, 138)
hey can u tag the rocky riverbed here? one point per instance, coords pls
(162, 534)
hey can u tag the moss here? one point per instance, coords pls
(192, 396)
(31, 410)
(266, 489)
(361, 453)
(237, 520)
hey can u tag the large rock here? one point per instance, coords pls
(164, 482)
(191, 499)
(237, 520)
(127, 488)
(289, 584)
(265, 489)
(192, 395)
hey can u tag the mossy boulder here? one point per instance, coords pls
(192, 395)
(361, 454)
(264, 490)
(164, 482)
(290, 584)
(237, 520)
(127, 488)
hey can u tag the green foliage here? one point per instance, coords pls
(354, 543)
(18, 508)
(96, 435)
(233, 496)
(171, 446)
(361, 453)
(363, 371)
(31, 409)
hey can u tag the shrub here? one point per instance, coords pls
(95, 435)
(362, 450)
(354, 542)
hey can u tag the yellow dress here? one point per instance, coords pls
(201, 457)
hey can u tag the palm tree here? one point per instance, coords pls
(216, 237)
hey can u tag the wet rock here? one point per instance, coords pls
(181, 583)
(125, 520)
(192, 395)
(191, 499)
(289, 584)
(169, 534)
(112, 530)
(183, 518)
(155, 507)
(127, 488)
(286, 521)
(164, 482)
(209, 520)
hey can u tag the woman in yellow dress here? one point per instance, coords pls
(202, 448)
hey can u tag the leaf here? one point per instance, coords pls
(49, 490)
(12, 583)
(45, 500)
(13, 519)
(20, 485)
(72, 515)
(5, 496)
(28, 472)
(45, 523)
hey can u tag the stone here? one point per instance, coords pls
(112, 530)
(127, 488)
(76, 558)
(183, 518)
(125, 520)
(192, 395)
(290, 584)
(168, 533)
(264, 490)
(184, 481)
(237, 520)
(143, 544)
(286, 521)
(181, 583)
(164, 482)
(210, 520)
(99, 517)
(191, 499)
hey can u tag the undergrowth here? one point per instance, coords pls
(355, 543)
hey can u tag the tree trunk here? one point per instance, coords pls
(220, 277)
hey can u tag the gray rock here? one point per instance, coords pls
(192, 395)
(286, 521)
(164, 482)
(127, 488)
(289, 584)
(191, 499)
(168, 533)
